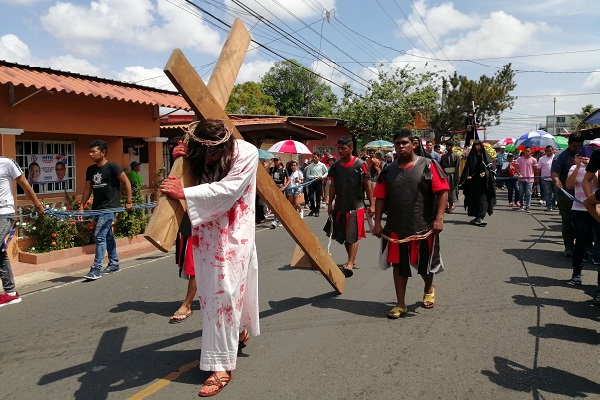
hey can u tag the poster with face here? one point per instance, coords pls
(46, 168)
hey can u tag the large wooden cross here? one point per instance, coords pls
(209, 102)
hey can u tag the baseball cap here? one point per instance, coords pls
(277, 158)
(502, 147)
(135, 164)
(389, 154)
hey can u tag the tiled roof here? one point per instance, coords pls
(60, 81)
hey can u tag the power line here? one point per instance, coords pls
(417, 32)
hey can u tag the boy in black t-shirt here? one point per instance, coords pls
(104, 179)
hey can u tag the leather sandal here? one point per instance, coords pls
(429, 299)
(219, 381)
(396, 312)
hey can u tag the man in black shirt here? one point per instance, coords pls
(592, 201)
(104, 179)
(277, 172)
(559, 171)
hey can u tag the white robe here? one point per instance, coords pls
(222, 216)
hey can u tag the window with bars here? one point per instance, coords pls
(29, 147)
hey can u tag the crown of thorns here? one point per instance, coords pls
(189, 135)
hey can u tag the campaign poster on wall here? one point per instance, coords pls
(46, 168)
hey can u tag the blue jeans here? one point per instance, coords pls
(548, 193)
(105, 241)
(525, 193)
(8, 281)
(513, 190)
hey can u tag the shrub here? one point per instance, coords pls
(133, 222)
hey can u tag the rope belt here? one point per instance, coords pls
(409, 238)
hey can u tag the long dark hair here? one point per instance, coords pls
(288, 167)
(210, 130)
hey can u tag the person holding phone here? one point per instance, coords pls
(583, 223)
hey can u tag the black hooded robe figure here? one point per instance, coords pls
(479, 191)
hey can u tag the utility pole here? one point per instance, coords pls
(554, 119)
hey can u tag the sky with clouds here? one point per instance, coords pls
(554, 45)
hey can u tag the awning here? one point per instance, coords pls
(60, 81)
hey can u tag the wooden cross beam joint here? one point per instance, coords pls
(209, 103)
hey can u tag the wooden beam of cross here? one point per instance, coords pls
(167, 216)
(190, 85)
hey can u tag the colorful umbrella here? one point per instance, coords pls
(379, 144)
(537, 143)
(505, 142)
(264, 155)
(510, 147)
(537, 140)
(561, 141)
(290, 147)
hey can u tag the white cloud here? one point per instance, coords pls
(153, 77)
(284, 8)
(84, 29)
(499, 35)
(73, 64)
(253, 71)
(14, 50)
(592, 82)
(440, 20)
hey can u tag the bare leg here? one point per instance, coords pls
(351, 249)
(400, 286)
(428, 279)
(186, 306)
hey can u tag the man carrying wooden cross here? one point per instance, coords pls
(221, 209)
(414, 192)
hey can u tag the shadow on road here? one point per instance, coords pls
(112, 370)
(163, 308)
(566, 332)
(576, 309)
(330, 300)
(540, 257)
(513, 376)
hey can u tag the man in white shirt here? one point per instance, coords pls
(9, 171)
(548, 187)
(315, 170)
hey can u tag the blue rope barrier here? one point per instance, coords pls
(504, 178)
(571, 197)
(62, 214)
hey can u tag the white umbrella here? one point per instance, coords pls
(290, 147)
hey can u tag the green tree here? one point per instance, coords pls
(298, 91)
(585, 111)
(248, 98)
(490, 95)
(391, 103)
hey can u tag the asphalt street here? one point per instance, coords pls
(506, 325)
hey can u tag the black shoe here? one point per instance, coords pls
(317, 214)
(310, 214)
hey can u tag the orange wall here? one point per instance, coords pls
(78, 118)
(333, 134)
(76, 114)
